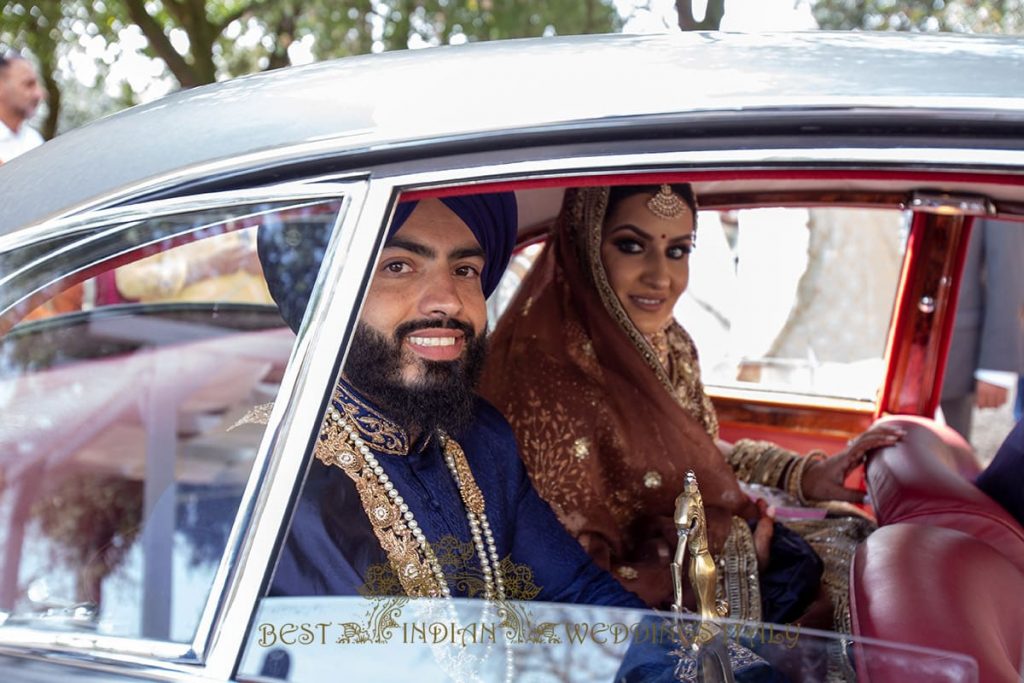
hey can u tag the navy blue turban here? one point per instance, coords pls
(290, 254)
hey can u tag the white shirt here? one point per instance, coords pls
(1001, 378)
(13, 144)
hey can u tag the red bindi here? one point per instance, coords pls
(664, 236)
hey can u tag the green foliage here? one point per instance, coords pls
(200, 41)
(970, 16)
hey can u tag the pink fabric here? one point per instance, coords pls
(98, 409)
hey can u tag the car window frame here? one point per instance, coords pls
(388, 186)
(105, 227)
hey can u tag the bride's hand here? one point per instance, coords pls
(823, 480)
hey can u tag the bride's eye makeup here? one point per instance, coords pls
(678, 251)
(630, 240)
(628, 245)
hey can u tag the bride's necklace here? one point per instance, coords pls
(659, 344)
(394, 522)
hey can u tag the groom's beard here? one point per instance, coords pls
(442, 396)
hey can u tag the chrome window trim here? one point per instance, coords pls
(997, 161)
(212, 619)
(157, 664)
(307, 386)
(106, 651)
(84, 643)
(82, 223)
(983, 109)
(106, 231)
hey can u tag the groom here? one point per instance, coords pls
(417, 487)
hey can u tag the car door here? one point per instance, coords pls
(140, 359)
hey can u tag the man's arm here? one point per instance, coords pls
(561, 568)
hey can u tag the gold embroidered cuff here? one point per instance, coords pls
(738, 579)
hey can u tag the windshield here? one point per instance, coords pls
(388, 638)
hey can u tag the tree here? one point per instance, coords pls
(92, 519)
(201, 41)
(962, 16)
(712, 15)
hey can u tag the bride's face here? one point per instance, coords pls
(647, 259)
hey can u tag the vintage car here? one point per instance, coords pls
(142, 507)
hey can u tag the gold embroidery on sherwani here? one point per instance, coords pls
(378, 431)
(257, 415)
(471, 494)
(410, 564)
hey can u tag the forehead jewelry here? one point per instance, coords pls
(666, 204)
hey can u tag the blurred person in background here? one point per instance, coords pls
(986, 355)
(20, 96)
(224, 267)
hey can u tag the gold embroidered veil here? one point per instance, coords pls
(606, 431)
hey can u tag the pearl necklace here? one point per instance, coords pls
(359, 462)
(480, 528)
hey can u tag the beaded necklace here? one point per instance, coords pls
(659, 344)
(410, 553)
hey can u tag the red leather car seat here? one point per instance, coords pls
(946, 570)
(937, 588)
(920, 480)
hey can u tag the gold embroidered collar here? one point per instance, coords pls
(350, 433)
(376, 429)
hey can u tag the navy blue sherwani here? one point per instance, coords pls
(331, 544)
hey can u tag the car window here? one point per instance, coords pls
(795, 300)
(783, 299)
(298, 639)
(132, 409)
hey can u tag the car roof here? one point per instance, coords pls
(404, 98)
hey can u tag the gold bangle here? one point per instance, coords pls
(795, 480)
(775, 476)
(795, 485)
(817, 455)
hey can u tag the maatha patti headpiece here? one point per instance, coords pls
(666, 204)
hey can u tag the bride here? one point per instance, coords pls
(602, 387)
